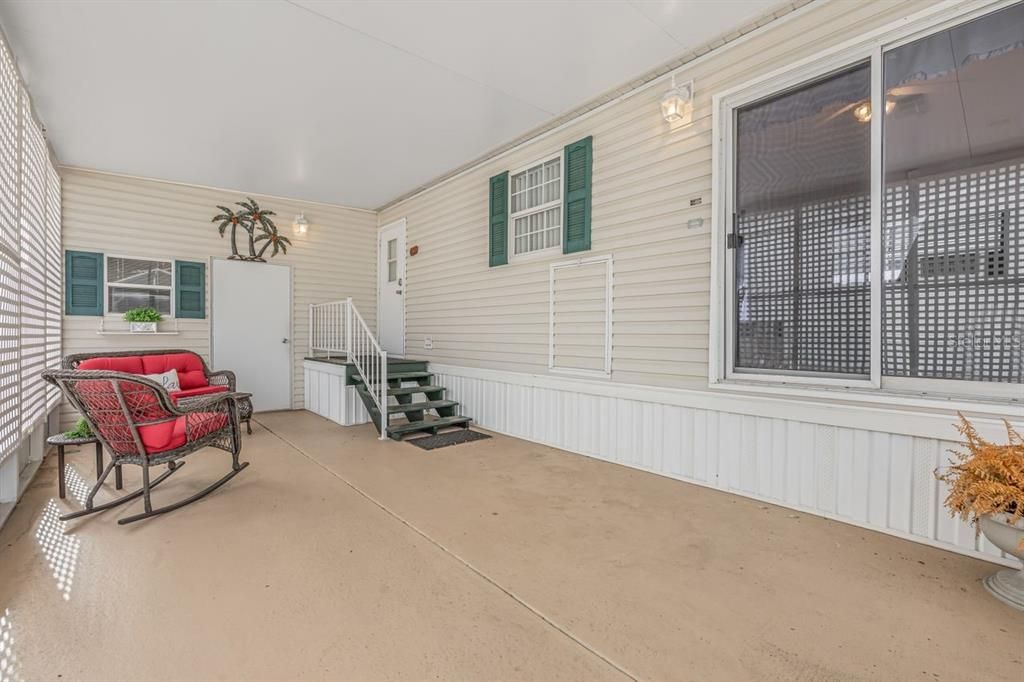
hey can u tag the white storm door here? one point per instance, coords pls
(391, 288)
(251, 320)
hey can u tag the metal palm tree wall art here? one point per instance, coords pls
(258, 226)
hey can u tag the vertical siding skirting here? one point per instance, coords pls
(327, 395)
(872, 479)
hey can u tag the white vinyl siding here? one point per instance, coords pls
(581, 315)
(103, 212)
(645, 174)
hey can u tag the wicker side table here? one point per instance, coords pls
(245, 413)
(244, 409)
(60, 440)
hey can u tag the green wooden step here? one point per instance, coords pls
(397, 430)
(398, 376)
(425, 405)
(409, 390)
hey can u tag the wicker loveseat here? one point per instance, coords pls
(138, 422)
(195, 377)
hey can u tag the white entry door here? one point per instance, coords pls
(251, 320)
(391, 288)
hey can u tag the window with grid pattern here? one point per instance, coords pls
(536, 207)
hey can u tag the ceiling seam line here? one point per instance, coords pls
(661, 28)
(437, 65)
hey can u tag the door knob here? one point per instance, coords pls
(284, 340)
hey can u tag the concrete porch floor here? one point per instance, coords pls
(337, 556)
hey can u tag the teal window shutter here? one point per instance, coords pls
(83, 283)
(579, 163)
(498, 219)
(189, 289)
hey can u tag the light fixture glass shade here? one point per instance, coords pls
(677, 104)
(301, 225)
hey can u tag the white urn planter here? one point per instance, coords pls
(1006, 534)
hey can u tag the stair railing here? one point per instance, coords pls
(327, 325)
(370, 359)
(337, 327)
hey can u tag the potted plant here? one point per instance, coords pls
(142, 320)
(986, 487)
(81, 430)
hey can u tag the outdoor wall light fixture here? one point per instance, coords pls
(677, 103)
(301, 225)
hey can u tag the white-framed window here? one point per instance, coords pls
(136, 282)
(869, 207)
(535, 208)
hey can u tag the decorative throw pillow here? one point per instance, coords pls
(169, 379)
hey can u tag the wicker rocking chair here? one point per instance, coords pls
(138, 423)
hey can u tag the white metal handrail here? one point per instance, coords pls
(327, 325)
(337, 327)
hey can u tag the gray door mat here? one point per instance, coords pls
(443, 440)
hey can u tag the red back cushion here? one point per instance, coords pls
(131, 364)
(188, 366)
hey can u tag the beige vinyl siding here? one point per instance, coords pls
(579, 305)
(646, 172)
(124, 216)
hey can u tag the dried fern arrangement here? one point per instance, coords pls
(985, 478)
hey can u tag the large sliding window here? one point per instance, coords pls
(874, 217)
(803, 229)
(954, 150)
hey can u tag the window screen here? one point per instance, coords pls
(954, 170)
(138, 283)
(803, 225)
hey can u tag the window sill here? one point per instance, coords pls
(866, 396)
(533, 256)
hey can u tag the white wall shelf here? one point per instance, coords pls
(123, 331)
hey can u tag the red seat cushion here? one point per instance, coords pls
(131, 364)
(169, 435)
(188, 366)
(193, 392)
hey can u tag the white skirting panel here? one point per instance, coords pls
(876, 479)
(328, 396)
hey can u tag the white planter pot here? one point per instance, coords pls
(1007, 585)
(142, 327)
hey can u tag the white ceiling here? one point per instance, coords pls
(350, 103)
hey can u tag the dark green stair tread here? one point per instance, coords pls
(425, 405)
(409, 390)
(399, 376)
(398, 429)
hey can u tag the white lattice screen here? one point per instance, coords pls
(54, 279)
(10, 327)
(30, 262)
(33, 268)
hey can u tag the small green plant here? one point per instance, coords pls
(81, 430)
(143, 315)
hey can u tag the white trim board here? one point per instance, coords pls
(863, 474)
(907, 416)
